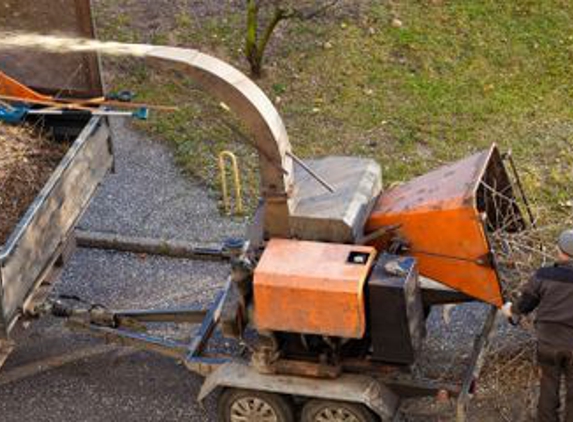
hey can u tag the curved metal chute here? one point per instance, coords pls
(257, 112)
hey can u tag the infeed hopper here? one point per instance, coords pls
(443, 219)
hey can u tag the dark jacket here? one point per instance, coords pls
(550, 291)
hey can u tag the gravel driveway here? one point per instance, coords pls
(148, 196)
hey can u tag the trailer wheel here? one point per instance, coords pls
(237, 405)
(333, 411)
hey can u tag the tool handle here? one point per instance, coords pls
(13, 115)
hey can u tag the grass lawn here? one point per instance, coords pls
(454, 77)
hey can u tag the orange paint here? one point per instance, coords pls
(309, 287)
(440, 221)
(12, 88)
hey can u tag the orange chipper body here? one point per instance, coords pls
(442, 218)
(312, 287)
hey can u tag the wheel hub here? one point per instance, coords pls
(333, 414)
(252, 409)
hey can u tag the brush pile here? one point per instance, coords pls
(510, 373)
(26, 162)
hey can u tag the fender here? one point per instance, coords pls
(348, 387)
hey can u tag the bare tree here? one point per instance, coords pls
(257, 39)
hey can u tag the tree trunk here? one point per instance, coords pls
(251, 47)
(256, 46)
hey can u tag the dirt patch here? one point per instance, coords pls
(27, 160)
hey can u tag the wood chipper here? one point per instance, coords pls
(329, 293)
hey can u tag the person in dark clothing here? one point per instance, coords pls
(550, 293)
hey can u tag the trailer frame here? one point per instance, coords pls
(379, 390)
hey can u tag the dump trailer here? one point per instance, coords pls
(329, 294)
(43, 240)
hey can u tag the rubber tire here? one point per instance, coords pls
(314, 407)
(282, 405)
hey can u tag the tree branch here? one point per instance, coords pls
(252, 27)
(256, 44)
(278, 16)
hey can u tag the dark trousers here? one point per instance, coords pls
(555, 365)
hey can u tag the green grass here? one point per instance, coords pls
(455, 77)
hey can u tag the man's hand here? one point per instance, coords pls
(506, 310)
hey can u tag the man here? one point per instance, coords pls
(550, 291)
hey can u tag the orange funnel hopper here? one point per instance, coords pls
(444, 217)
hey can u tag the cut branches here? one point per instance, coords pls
(26, 162)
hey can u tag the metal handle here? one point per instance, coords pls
(236, 179)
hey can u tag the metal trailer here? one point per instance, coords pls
(40, 244)
(377, 387)
(43, 241)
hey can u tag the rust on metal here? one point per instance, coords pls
(443, 217)
(312, 287)
(151, 246)
(307, 369)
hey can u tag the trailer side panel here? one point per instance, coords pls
(48, 223)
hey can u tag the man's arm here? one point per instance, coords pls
(529, 298)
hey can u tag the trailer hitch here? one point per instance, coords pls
(95, 314)
(73, 308)
(128, 327)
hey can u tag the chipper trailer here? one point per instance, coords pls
(329, 292)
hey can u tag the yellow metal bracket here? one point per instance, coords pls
(236, 178)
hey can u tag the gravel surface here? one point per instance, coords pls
(147, 196)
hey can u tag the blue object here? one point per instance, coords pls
(13, 115)
(124, 96)
(141, 113)
(233, 244)
(16, 114)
